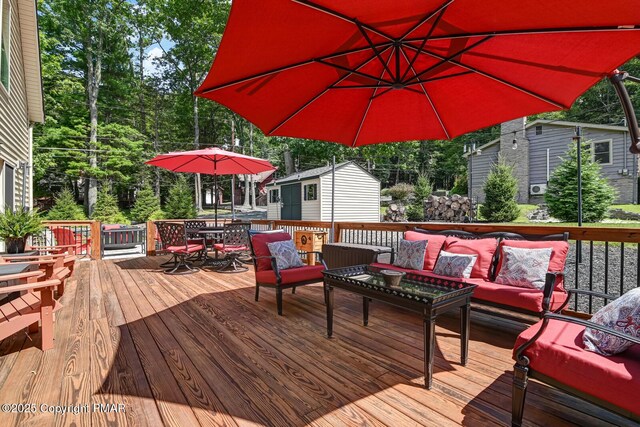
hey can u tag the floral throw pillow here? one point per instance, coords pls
(524, 268)
(454, 265)
(622, 314)
(286, 254)
(411, 254)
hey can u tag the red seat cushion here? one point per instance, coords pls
(260, 248)
(559, 251)
(559, 354)
(229, 248)
(513, 296)
(291, 275)
(433, 247)
(485, 249)
(190, 248)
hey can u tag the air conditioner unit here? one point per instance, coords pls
(538, 189)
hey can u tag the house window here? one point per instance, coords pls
(311, 192)
(274, 196)
(538, 130)
(5, 41)
(601, 152)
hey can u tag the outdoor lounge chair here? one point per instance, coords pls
(65, 236)
(235, 242)
(175, 242)
(266, 269)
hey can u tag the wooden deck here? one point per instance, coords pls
(197, 350)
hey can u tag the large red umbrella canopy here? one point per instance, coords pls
(211, 161)
(362, 72)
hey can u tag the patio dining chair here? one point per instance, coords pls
(235, 243)
(173, 237)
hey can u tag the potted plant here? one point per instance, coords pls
(17, 225)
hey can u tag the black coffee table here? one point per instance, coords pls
(428, 296)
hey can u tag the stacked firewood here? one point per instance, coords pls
(395, 213)
(455, 208)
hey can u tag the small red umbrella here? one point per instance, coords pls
(211, 161)
(362, 72)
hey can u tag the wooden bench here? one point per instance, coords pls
(35, 306)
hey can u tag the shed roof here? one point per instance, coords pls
(315, 173)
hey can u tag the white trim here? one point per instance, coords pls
(7, 88)
(304, 193)
(593, 154)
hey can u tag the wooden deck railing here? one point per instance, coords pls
(88, 230)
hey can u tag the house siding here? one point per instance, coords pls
(480, 170)
(14, 121)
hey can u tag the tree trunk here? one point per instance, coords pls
(143, 114)
(196, 138)
(94, 77)
(156, 143)
(288, 162)
(247, 190)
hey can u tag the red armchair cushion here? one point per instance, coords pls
(188, 249)
(229, 248)
(291, 275)
(559, 251)
(433, 247)
(485, 249)
(513, 296)
(260, 248)
(559, 353)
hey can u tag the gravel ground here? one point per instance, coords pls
(619, 280)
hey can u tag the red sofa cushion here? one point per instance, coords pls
(485, 249)
(513, 296)
(559, 354)
(291, 275)
(559, 251)
(433, 247)
(186, 249)
(260, 248)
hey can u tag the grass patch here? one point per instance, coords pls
(628, 208)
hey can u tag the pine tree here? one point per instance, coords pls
(421, 191)
(180, 204)
(107, 210)
(147, 205)
(500, 191)
(66, 208)
(562, 192)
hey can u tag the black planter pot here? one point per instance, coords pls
(15, 245)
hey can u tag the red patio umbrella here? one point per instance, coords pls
(211, 161)
(362, 72)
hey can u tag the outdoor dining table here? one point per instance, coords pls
(215, 235)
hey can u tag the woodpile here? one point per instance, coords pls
(455, 208)
(395, 213)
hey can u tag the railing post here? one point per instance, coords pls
(151, 238)
(336, 232)
(96, 239)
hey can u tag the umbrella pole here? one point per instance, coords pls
(215, 197)
(233, 198)
(333, 199)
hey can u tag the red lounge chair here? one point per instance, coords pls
(65, 236)
(175, 242)
(267, 273)
(552, 352)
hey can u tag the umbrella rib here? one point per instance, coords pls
(430, 15)
(434, 79)
(344, 17)
(185, 163)
(289, 117)
(375, 50)
(292, 66)
(430, 101)
(424, 41)
(500, 80)
(366, 112)
(360, 87)
(529, 32)
(355, 70)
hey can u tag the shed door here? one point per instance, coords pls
(291, 202)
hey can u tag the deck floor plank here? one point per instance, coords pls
(198, 350)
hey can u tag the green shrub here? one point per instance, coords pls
(500, 191)
(66, 208)
(461, 186)
(180, 204)
(562, 191)
(421, 191)
(106, 209)
(146, 205)
(401, 192)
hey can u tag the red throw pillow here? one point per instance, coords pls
(433, 247)
(260, 248)
(485, 249)
(559, 251)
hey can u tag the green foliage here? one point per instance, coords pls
(19, 223)
(146, 205)
(421, 191)
(500, 191)
(562, 192)
(107, 210)
(401, 192)
(461, 185)
(66, 208)
(180, 204)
